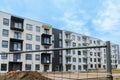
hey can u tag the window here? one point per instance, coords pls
(79, 59)
(5, 33)
(38, 38)
(37, 57)
(78, 38)
(60, 52)
(37, 67)
(5, 21)
(79, 67)
(60, 35)
(37, 29)
(90, 59)
(3, 67)
(91, 53)
(53, 37)
(79, 52)
(73, 37)
(90, 41)
(29, 27)
(46, 31)
(17, 35)
(74, 59)
(91, 65)
(74, 67)
(5, 44)
(46, 40)
(18, 25)
(67, 36)
(73, 51)
(16, 57)
(28, 56)
(28, 46)
(17, 46)
(4, 56)
(79, 45)
(27, 66)
(74, 44)
(60, 43)
(94, 59)
(37, 47)
(29, 36)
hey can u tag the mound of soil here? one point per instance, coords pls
(24, 75)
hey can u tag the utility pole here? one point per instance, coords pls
(108, 57)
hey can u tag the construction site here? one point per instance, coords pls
(98, 74)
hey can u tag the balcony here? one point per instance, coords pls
(17, 23)
(16, 44)
(45, 58)
(46, 39)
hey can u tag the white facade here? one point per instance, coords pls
(85, 59)
(31, 37)
(22, 34)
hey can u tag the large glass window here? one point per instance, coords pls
(16, 57)
(5, 33)
(4, 44)
(3, 67)
(29, 36)
(17, 46)
(28, 46)
(17, 35)
(29, 27)
(46, 40)
(28, 56)
(5, 21)
(38, 38)
(18, 25)
(37, 29)
(27, 66)
(37, 57)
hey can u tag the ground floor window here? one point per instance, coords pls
(28, 67)
(3, 67)
(37, 67)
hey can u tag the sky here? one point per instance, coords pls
(96, 18)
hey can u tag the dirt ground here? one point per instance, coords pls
(33, 75)
(24, 75)
(81, 76)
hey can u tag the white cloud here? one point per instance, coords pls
(108, 18)
(107, 21)
(73, 23)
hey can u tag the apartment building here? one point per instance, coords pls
(22, 34)
(81, 59)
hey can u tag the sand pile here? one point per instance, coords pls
(24, 75)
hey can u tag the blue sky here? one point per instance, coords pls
(96, 18)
